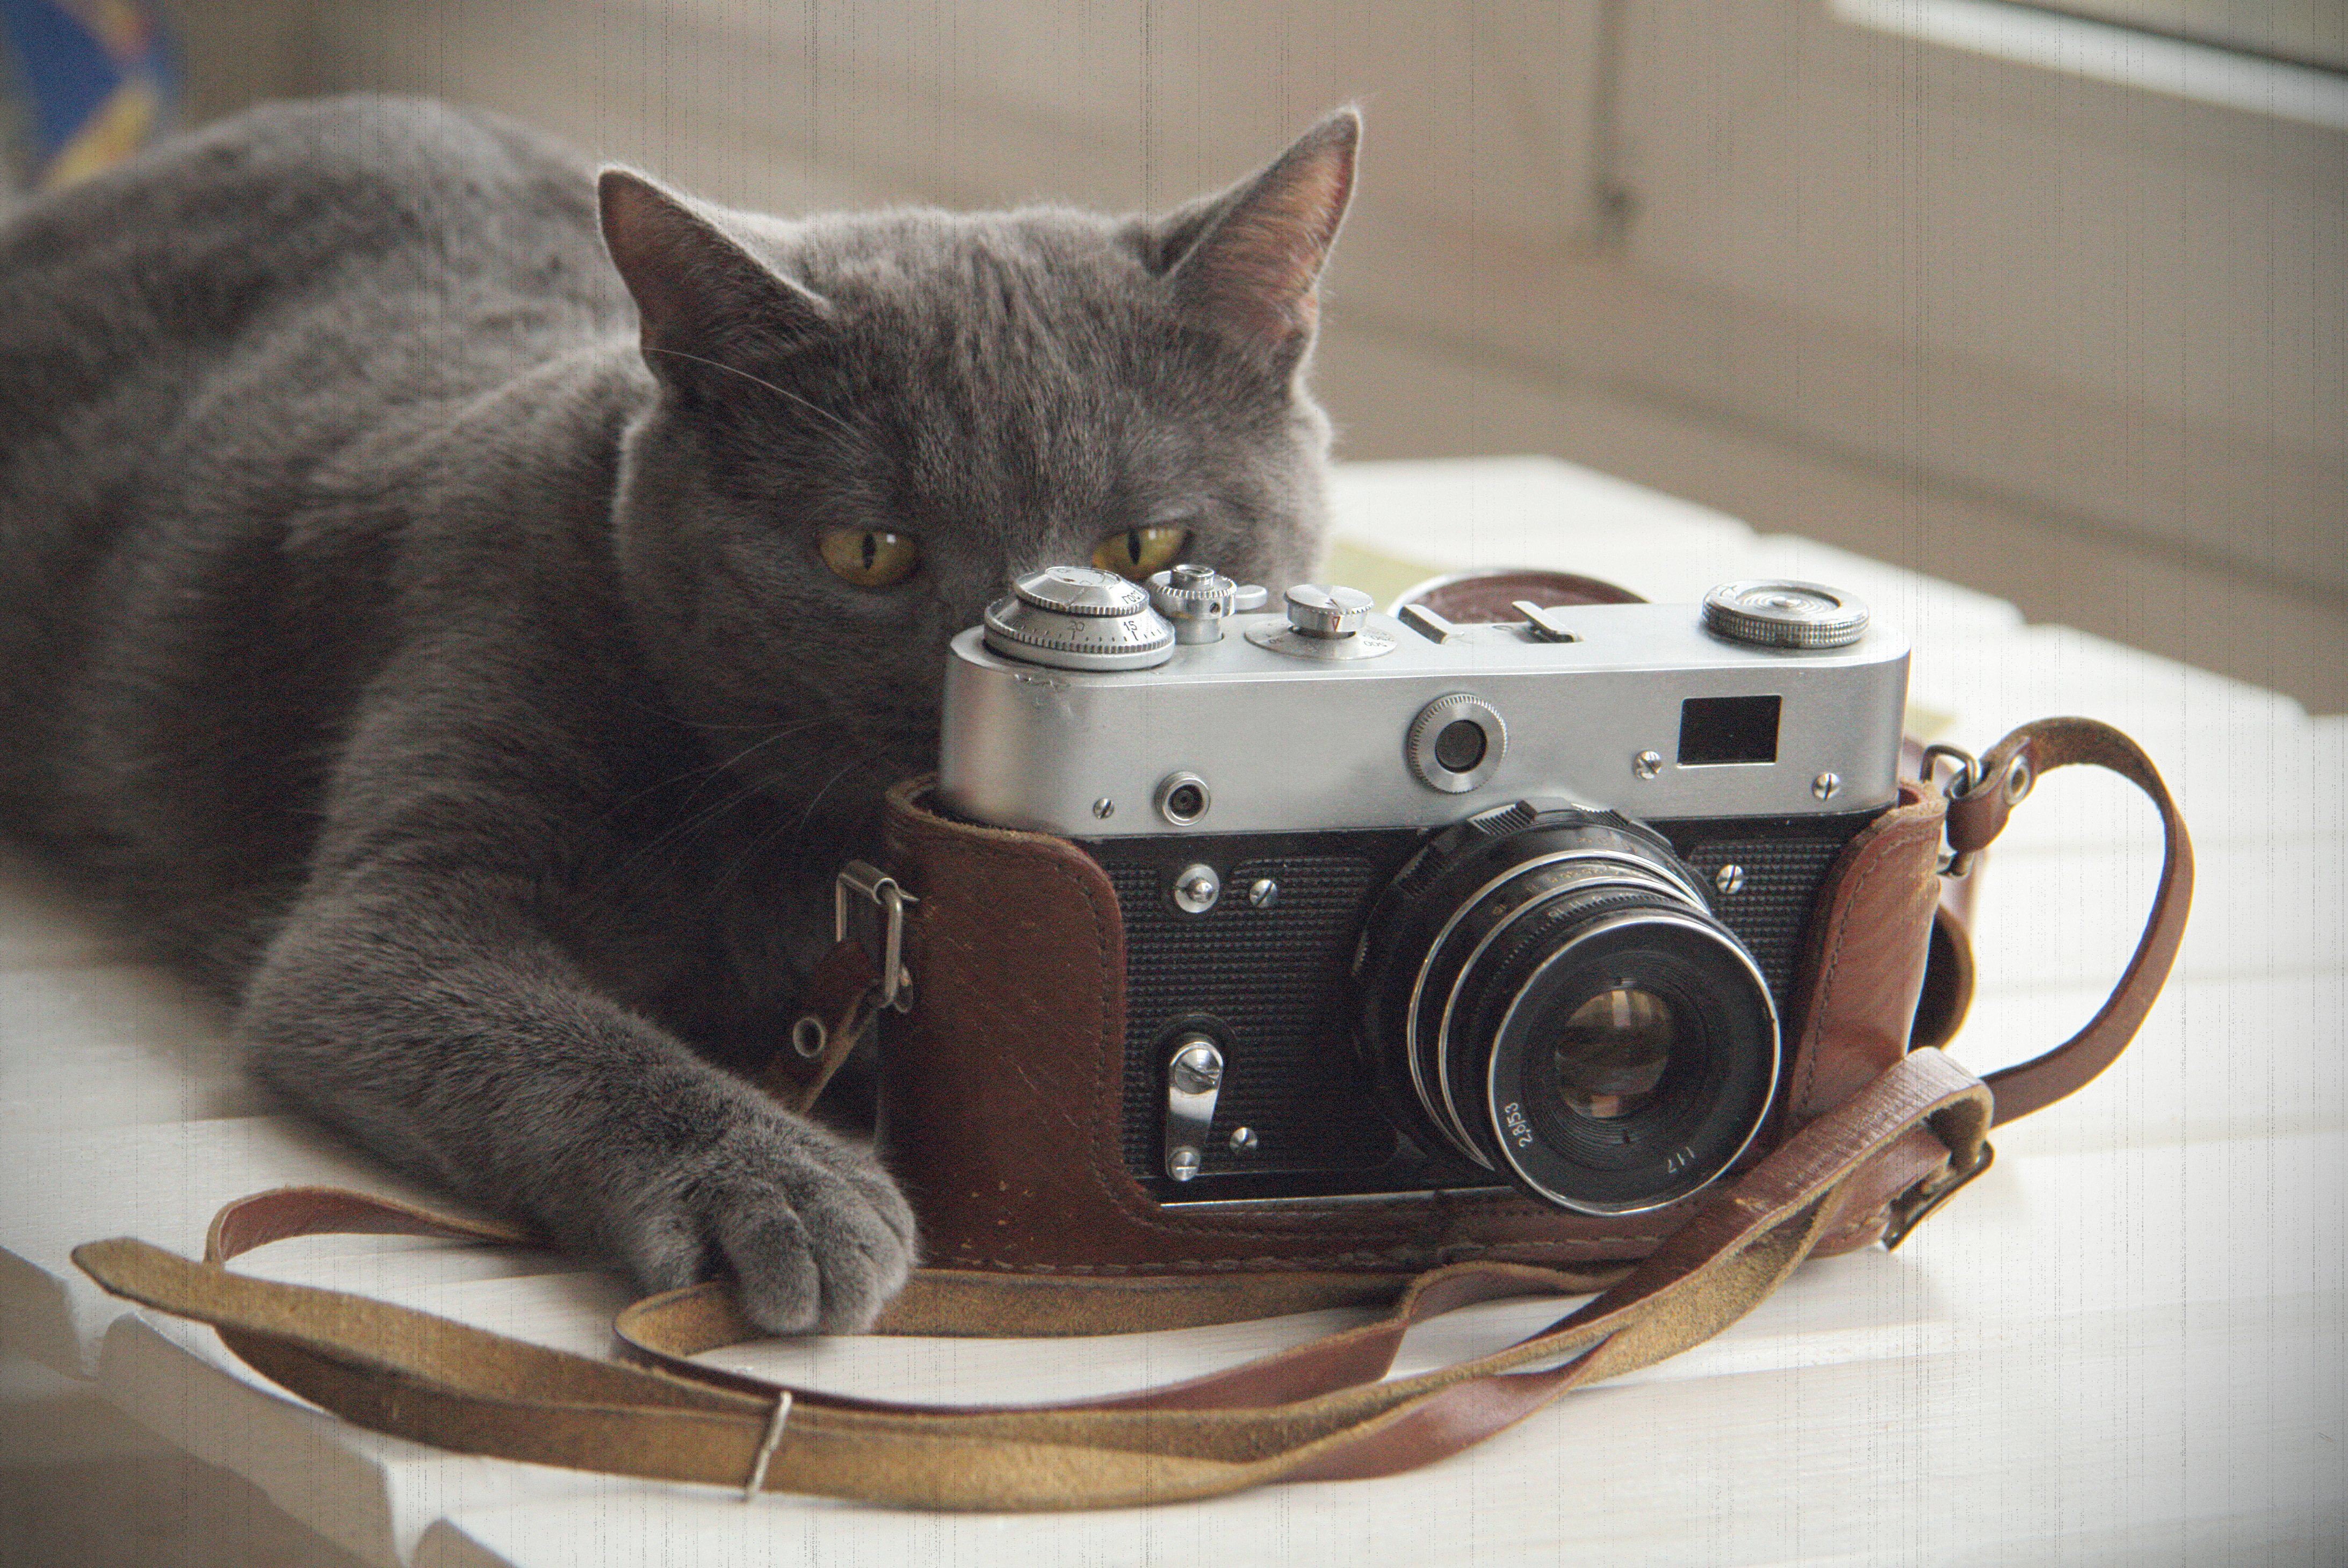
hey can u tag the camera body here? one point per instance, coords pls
(1414, 907)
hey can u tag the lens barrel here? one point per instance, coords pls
(1546, 992)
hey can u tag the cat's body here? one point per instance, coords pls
(477, 705)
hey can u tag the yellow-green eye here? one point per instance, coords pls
(870, 557)
(1136, 552)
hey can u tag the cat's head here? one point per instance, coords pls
(867, 424)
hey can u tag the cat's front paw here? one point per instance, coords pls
(812, 1231)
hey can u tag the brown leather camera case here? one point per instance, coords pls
(1001, 1100)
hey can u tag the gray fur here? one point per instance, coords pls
(413, 618)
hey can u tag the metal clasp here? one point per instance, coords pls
(1961, 783)
(1911, 1208)
(1970, 779)
(1968, 772)
(881, 892)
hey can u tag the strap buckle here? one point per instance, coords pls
(1972, 778)
(878, 891)
(1911, 1208)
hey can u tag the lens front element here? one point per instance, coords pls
(1611, 1053)
(1673, 1099)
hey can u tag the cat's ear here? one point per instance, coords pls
(1246, 264)
(702, 300)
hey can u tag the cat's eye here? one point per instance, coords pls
(1136, 552)
(870, 557)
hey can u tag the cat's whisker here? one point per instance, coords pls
(686, 826)
(754, 853)
(717, 769)
(818, 409)
(731, 763)
(751, 853)
(817, 799)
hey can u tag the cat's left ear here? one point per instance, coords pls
(1246, 264)
(703, 302)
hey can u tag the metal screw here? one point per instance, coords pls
(1244, 1140)
(1264, 893)
(1104, 808)
(1647, 764)
(1196, 1068)
(1826, 786)
(1182, 1164)
(1729, 878)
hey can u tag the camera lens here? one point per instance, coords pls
(1460, 746)
(1547, 993)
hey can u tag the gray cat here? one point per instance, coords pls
(469, 610)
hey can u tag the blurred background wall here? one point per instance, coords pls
(2048, 301)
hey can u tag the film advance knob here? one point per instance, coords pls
(1079, 618)
(1781, 612)
(1318, 611)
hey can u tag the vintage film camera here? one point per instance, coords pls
(1413, 906)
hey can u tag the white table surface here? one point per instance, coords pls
(2127, 1343)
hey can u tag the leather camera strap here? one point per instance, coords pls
(1322, 1410)
(1319, 1412)
(2007, 774)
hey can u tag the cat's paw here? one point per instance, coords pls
(812, 1231)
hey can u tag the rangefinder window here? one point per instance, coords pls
(1717, 729)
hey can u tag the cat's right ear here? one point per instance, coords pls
(705, 302)
(1246, 264)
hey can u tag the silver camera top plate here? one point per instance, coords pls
(1631, 707)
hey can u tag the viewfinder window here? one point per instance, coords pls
(1717, 729)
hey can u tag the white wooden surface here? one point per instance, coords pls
(2127, 1344)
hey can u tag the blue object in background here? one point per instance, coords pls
(86, 83)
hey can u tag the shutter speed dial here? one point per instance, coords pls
(1079, 618)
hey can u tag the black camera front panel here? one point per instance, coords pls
(1271, 981)
(1780, 863)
